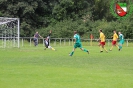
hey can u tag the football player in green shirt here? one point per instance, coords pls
(121, 42)
(77, 44)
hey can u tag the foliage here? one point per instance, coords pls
(64, 16)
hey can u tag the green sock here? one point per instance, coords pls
(120, 47)
(71, 53)
(85, 50)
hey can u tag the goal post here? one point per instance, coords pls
(9, 32)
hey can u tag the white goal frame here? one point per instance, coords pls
(9, 32)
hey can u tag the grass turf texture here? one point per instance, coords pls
(33, 67)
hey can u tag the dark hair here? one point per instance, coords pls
(75, 32)
(100, 30)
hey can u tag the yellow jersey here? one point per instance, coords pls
(115, 37)
(102, 37)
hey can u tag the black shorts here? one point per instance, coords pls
(35, 39)
(46, 43)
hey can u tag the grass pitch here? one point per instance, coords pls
(33, 67)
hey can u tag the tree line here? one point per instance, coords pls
(65, 16)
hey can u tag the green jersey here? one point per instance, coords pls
(121, 37)
(77, 38)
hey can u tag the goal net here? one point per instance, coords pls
(9, 32)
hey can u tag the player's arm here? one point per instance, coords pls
(99, 38)
(50, 33)
(40, 36)
(112, 36)
(34, 35)
(74, 40)
(117, 37)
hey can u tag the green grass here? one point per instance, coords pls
(33, 67)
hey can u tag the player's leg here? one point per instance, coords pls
(46, 44)
(75, 46)
(45, 47)
(112, 46)
(83, 49)
(100, 46)
(35, 41)
(104, 48)
(103, 44)
(72, 52)
(101, 49)
(51, 47)
(117, 46)
(120, 44)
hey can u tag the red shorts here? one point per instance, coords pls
(102, 43)
(113, 42)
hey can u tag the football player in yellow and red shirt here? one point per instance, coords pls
(102, 41)
(114, 41)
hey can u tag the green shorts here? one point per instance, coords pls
(77, 45)
(121, 42)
